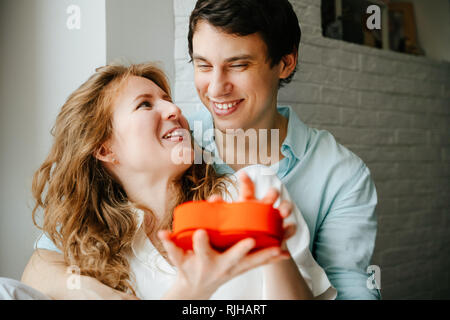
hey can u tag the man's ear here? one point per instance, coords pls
(105, 154)
(288, 64)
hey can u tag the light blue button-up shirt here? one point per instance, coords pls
(334, 191)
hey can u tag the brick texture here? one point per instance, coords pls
(393, 111)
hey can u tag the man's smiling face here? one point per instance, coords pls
(234, 78)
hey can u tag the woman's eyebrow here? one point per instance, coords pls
(167, 97)
(145, 95)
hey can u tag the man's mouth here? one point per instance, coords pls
(226, 107)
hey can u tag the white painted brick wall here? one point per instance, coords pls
(392, 110)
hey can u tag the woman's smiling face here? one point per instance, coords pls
(150, 134)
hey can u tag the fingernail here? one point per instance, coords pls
(201, 232)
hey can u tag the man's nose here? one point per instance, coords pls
(219, 85)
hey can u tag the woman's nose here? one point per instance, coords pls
(170, 111)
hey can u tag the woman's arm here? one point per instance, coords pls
(283, 279)
(284, 282)
(47, 272)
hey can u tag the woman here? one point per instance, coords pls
(121, 161)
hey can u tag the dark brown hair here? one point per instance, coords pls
(274, 20)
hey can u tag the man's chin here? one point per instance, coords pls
(224, 125)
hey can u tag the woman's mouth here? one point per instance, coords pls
(226, 108)
(174, 134)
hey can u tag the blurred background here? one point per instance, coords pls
(383, 93)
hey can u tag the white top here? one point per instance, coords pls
(154, 275)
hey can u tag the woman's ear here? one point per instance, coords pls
(288, 64)
(105, 154)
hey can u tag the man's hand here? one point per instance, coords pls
(247, 192)
(46, 271)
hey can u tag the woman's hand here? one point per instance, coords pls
(202, 271)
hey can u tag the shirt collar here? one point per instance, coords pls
(294, 145)
(144, 251)
(297, 133)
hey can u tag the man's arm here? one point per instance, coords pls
(46, 271)
(345, 241)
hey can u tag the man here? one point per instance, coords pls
(243, 51)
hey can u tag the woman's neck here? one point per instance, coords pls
(159, 196)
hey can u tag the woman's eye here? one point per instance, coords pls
(145, 104)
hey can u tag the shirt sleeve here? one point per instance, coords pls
(346, 238)
(44, 242)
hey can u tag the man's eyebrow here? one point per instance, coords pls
(240, 57)
(231, 59)
(197, 57)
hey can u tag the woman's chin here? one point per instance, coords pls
(182, 155)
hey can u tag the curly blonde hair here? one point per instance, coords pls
(87, 213)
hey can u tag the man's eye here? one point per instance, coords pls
(145, 104)
(203, 66)
(239, 66)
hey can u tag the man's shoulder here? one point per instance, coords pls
(308, 141)
(318, 150)
(333, 157)
(325, 141)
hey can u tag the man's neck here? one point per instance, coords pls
(260, 144)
